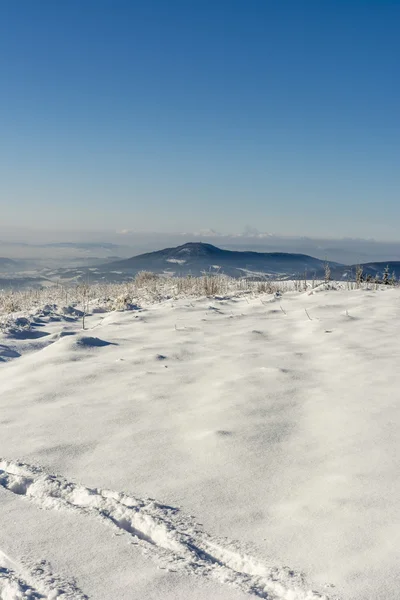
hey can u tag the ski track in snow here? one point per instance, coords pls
(173, 540)
(20, 582)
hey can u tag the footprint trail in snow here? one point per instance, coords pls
(12, 587)
(34, 582)
(174, 541)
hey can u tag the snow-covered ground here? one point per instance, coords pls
(203, 448)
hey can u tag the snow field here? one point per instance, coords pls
(273, 420)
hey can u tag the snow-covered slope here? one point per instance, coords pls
(222, 449)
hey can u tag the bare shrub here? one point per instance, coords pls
(143, 278)
(305, 280)
(10, 302)
(267, 287)
(327, 272)
(83, 291)
(359, 276)
(212, 285)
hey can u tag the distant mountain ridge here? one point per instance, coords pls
(6, 261)
(197, 257)
(8, 264)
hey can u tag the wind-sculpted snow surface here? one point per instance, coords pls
(168, 536)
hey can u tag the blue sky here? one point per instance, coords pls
(181, 115)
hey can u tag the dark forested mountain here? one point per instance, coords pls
(196, 258)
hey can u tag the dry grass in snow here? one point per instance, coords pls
(146, 288)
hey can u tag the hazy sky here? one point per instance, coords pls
(180, 115)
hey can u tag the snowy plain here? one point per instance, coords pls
(220, 448)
